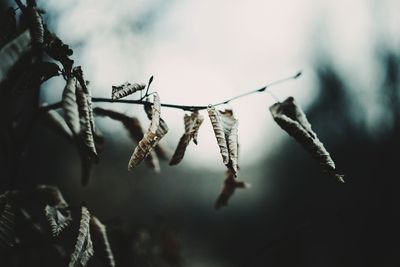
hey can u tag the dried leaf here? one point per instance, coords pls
(150, 138)
(230, 185)
(196, 127)
(7, 221)
(54, 121)
(101, 245)
(125, 90)
(223, 123)
(180, 149)
(192, 123)
(135, 130)
(84, 102)
(219, 132)
(83, 250)
(233, 148)
(70, 106)
(57, 221)
(162, 129)
(289, 116)
(11, 53)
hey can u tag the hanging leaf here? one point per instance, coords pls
(57, 221)
(12, 52)
(219, 132)
(162, 128)
(150, 138)
(289, 116)
(195, 130)
(54, 121)
(7, 221)
(70, 106)
(83, 250)
(192, 123)
(84, 102)
(125, 90)
(230, 185)
(233, 148)
(133, 126)
(101, 245)
(180, 149)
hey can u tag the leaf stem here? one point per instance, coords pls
(184, 107)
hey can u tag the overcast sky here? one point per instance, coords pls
(202, 52)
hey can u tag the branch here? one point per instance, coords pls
(183, 107)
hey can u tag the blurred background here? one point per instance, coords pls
(202, 52)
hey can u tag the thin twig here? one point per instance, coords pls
(183, 107)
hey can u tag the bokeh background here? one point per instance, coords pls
(202, 52)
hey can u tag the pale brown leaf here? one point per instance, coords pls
(135, 130)
(289, 116)
(70, 106)
(192, 123)
(196, 127)
(83, 249)
(84, 102)
(125, 90)
(219, 132)
(149, 139)
(233, 148)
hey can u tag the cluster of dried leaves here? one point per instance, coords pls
(73, 232)
(30, 41)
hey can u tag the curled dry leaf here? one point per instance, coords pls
(83, 249)
(83, 99)
(196, 127)
(7, 221)
(56, 219)
(233, 148)
(225, 130)
(289, 116)
(192, 124)
(149, 139)
(12, 52)
(101, 245)
(56, 122)
(230, 185)
(125, 90)
(133, 126)
(70, 106)
(219, 132)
